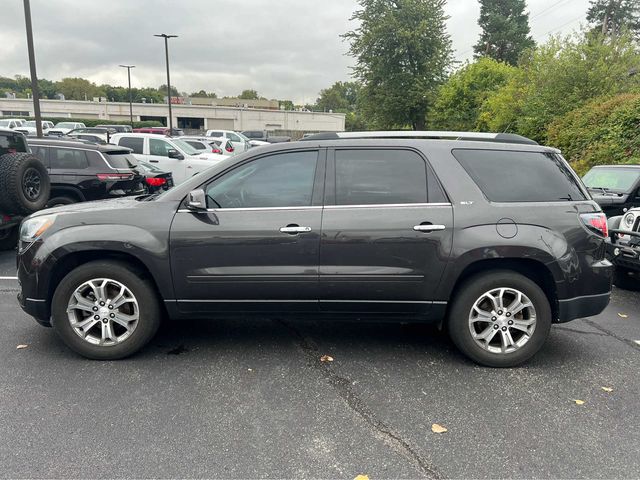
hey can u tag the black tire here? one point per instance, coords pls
(467, 295)
(149, 310)
(627, 280)
(59, 201)
(24, 183)
(9, 238)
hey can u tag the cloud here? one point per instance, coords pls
(285, 49)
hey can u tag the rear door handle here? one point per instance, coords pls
(295, 229)
(428, 228)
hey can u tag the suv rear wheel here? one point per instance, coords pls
(105, 311)
(24, 183)
(499, 318)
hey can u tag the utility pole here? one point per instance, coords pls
(129, 67)
(32, 67)
(166, 52)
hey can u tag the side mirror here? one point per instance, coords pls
(197, 200)
(175, 154)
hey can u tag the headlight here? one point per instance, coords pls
(33, 228)
(628, 221)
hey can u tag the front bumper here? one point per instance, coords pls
(624, 254)
(37, 308)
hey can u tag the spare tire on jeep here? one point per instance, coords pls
(24, 184)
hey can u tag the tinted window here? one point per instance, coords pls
(68, 159)
(284, 180)
(121, 159)
(509, 176)
(159, 147)
(10, 143)
(196, 145)
(374, 177)
(135, 144)
(216, 134)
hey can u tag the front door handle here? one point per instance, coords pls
(295, 229)
(428, 227)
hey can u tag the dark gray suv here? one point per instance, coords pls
(490, 235)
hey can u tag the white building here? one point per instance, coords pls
(196, 117)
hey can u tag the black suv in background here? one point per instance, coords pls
(491, 235)
(616, 188)
(80, 171)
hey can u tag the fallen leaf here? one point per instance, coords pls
(22, 346)
(579, 402)
(607, 389)
(326, 358)
(362, 477)
(637, 341)
(435, 428)
(623, 315)
(249, 369)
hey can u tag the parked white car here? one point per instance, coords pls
(240, 142)
(9, 123)
(220, 145)
(63, 128)
(169, 154)
(29, 127)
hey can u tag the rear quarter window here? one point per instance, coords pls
(515, 176)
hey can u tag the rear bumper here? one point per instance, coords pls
(624, 255)
(580, 307)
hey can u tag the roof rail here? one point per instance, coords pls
(436, 135)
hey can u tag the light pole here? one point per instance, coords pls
(166, 52)
(129, 67)
(32, 67)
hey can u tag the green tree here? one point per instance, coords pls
(558, 77)
(163, 91)
(286, 104)
(462, 97)
(505, 30)
(610, 17)
(402, 53)
(340, 97)
(78, 89)
(204, 94)
(249, 95)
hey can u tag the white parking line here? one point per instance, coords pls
(8, 278)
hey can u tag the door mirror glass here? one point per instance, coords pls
(172, 153)
(197, 200)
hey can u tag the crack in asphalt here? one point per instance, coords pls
(595, 325)
(344, 388)
(573, 330)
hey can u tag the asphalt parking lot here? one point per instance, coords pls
(252, 399)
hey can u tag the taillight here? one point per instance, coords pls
(229, 148)
(114, 177)
(156, 181)
(596, 222)
(216, 150)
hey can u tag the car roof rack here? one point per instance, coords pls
(434, 135)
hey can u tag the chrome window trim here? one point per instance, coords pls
(253, 209)
(389, 205)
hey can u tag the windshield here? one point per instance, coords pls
(185, 147)
(65, 125)
(243, 137)
(121, 159)
(618, 179)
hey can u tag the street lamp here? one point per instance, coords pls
(129, 67)
(166, 52)
(32, 68)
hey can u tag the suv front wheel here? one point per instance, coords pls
(499, 318)
(105, 311)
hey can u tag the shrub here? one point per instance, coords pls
(604, 131)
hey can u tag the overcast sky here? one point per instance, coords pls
(285, 49)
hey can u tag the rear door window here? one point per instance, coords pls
(68, 159)
(377, 177)
(12, 143)
(121, 160)
(512, 176)
(134, 143)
